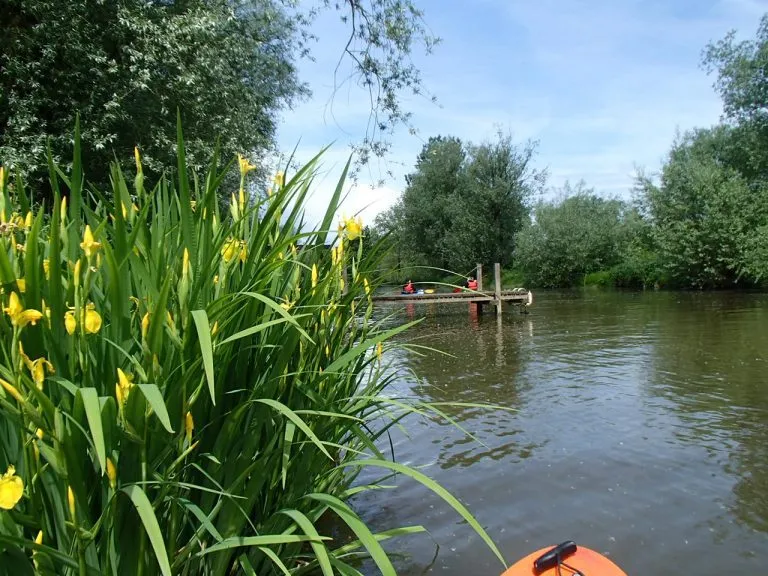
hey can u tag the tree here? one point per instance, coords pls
(742, 82)
(227, 65)
(705, 214)
(464, 203)
(567, 238)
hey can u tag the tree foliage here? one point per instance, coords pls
(705, 213)
(229, 66)
(464, 203)
(570, 237)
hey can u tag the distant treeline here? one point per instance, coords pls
(702, 222)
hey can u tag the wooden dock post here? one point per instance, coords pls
(497, 287)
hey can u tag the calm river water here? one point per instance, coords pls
(640, 430)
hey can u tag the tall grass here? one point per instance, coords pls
(188, 389)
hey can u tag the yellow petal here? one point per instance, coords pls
(314, 275)
(29, 317)
(111, 473)
(137, 158)
(379, 350)
(89, 244)
(78, 267)
(63, 209)
(279, 179)
(185, 263)
(15, 307)
(39, 433)
(145, 325)
(71, 501)
(39, 538)
(11, 489)
(28, 221)
(230, 250)
(47, 268)
(8, 387)
(70, 323)
(189, 426)
(92, 321)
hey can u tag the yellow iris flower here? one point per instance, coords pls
(19, 316)
(89, 245)
(37, 367)
(11, 489)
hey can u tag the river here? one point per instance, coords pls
(640, 429)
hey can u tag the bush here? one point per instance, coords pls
(602, 278)
(184, 390)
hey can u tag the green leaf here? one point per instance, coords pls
(259, 327)
(296, 419)
(155, 399)
(333, 205)
(187, 224)
(380, 536)
(157, 318)
(279, 309)
(321, 553)
(269, 540)
(275, 559)
(93, 414)
(437, 489)
(206, 348)
(360, 529)
(52, 552)
(7, 275)
(290, 428)
(148, 518)
(350, 355)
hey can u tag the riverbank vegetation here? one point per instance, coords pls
(702, 222)
(186, 389)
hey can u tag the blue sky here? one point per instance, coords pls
(602, 85)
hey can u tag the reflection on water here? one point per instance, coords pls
(640, 429)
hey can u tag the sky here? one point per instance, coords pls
(602, 86)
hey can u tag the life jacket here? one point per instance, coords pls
(409, 288)
(472, 284)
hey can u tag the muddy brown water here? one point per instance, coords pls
(640, 430)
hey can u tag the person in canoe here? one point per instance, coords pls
(471, 283)
(408, 288)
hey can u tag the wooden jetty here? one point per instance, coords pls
(479, 297)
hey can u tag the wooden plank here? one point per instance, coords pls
(451, 298)
(479, 277)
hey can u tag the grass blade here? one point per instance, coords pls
(268, 540)
(296, 419)
(437, 489)
(360, 529)
(321, 553)
(93, 414)
(206, 348)
(155, 399)
(148, 518)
